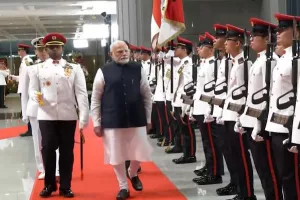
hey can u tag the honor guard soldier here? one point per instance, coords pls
(196, 110)
(30, 108)
(209, 128)
(282, 92)
(183, 77)
(60, 88)
(159, 98)
(220, 94)
(4, 72)
(172, 122)
(259, 145)
(238, 140)
(23, 50)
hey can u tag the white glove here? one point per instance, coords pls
(208, 117)
(171, 53)
(294, 149)
(256, 130)
(219, 120)
(25, 119)
(161, 55)
(238, 127)
(82, 125)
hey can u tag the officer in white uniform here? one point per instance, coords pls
(220, 94)
(30, 108)
(23, 50)
(287, 162)
(183, 77)
(173, 125)
(4, 72)
(159, 98)
(260, 146)
(59, 87)
(238, 143)
(209, 130)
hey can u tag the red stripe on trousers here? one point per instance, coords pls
(191, 134)
(245, 164)
(159, 119)
(296, 161)
(212, 149)
(275, 184)
(167, 118)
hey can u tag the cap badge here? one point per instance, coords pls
(53, 37)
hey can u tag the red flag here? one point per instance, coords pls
(155, 22)
(172, 23)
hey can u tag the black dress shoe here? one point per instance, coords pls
(230, 189)
(66, 193)
(4, 106)
(155, 136)
(136, 183)
(164, 144)
(208, 180)
(173, 150)
(47, 191)
(123, 194)
(160, 139)
(201, 172)
(184, 160)
(28, 133)
(237, 197)
(139, 170)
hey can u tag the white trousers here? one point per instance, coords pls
(120, 171)
(37, 145)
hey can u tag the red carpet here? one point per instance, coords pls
(12, 132)
(99, 180)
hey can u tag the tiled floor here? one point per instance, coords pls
(17, 169)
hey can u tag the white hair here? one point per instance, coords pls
(114, 44)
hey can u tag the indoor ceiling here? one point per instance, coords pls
(28, 19)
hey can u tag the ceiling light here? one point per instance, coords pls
(80, 44)
(93, 31)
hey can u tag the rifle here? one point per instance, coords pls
(262, 115)
(206, 98)
(163, 71)
(239, 108)
(217, 101)
(287, 121)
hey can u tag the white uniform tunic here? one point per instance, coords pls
(167, 77)
(159, 94)
(256, 82)
(200, 107)
(181, 78)
(60, 91)
(121, 144)
(26, 60)
(281, 84)
(146, 67)
(217, 112)
(236, 80)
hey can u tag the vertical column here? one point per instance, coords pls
(134, 18)
(270, 7)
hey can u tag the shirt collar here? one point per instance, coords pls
(236, 58)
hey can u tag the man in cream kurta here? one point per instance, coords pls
(121, 112)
